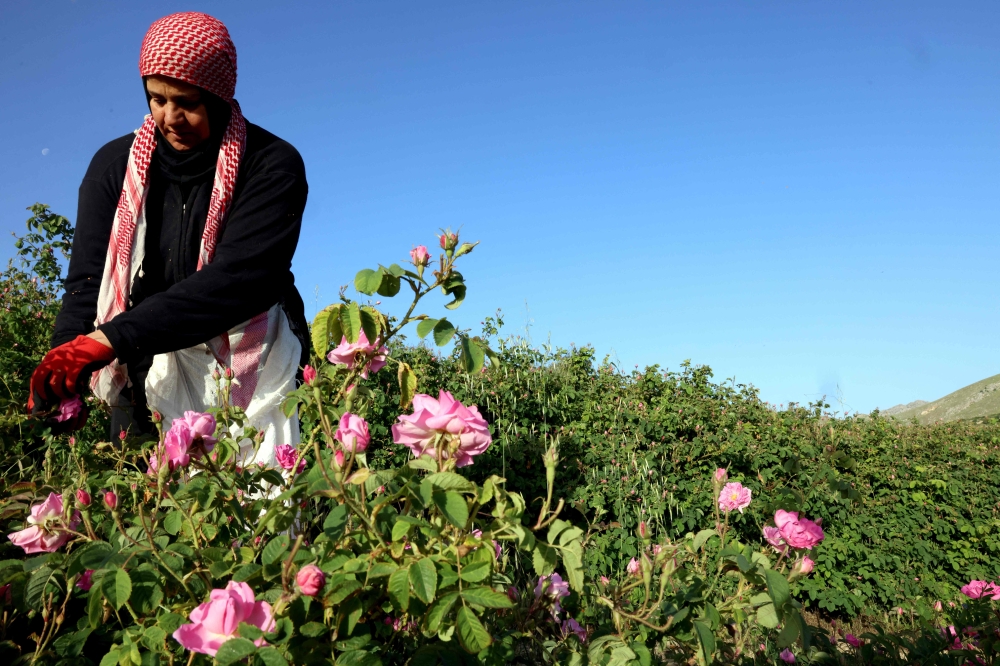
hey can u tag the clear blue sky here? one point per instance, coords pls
(803, 195)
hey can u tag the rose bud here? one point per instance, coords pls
(83, 497)
(309, 374)
(110, 499)
(311, 580)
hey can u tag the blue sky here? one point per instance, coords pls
(804, 196)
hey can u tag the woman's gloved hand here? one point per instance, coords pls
(65, 370)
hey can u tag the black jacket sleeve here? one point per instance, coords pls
(99, 193)
(250, 272)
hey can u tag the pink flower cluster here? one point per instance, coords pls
(189, 436)
(216, 621)
(978, 589)
(790, 530)
(433, 421)
(46, 532)
(554, 588)
(734, 497)
(286, 455)
(352, 353)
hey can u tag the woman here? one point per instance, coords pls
(181, 260)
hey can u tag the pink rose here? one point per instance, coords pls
(435, 422)
(216, 621)
(45, 532)
(797, 532)
(978, 589)
(633, 567)
(309, 374)
(571, 626)
(556, 587)
(720, 476)
(110, 499)
(83, 497)
(286, 454)
(352, 433)
(69, 408)
(604, 580)
(803, 566)
(311, 580)
(420, 256)
(773, 536)
(787, 656)
(938, 607)
(85, 582)
(852, 640)
(352, 353)
(202, 426)
(734, 496)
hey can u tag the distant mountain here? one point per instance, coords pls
(975, 400)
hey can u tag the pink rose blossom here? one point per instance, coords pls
(110, 499)
(571, 626)
(85, 582)
(83, 497)
(433, 421)
(201, 426)
(604, 580)
(216, 621)
(804, 566)
(352, 433)
(309, 374)
(797, 532)
(978, 589)
(69, 408)
(773, 536)
(286, 455)
(420, 256)
(852, 640)
(787, 656)
(633, 567)
(350, 353)
(311, 580)
(720, 476)
(46, 532)
(734, 496)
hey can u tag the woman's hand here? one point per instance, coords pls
(64, 371)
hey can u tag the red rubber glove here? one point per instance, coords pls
(65, 370)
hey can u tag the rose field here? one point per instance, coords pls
(464, 497)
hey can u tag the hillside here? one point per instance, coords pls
(975, 400)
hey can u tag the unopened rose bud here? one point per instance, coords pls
(83, 497)
(310, 580)
(110, 499)
(938, 607)
(229, 373)
(72, 441)
(309, 374)
(157, 417)
(720, 476)
(643, 530)
(420, 256)
(122, 435)
(448, 241)
(215, 375)
(512, 593)
(338, 457)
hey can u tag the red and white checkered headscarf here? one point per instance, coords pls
(194, 48)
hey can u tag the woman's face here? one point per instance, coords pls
(178, 111)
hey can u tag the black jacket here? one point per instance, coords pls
(173, 305)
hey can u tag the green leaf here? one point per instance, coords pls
(544, 559)
(335, 523)
(40, 579)
(790, 631)
(147, 594)
(407, 384)
(702, 538)
(454, 287)
(487, 597)
(71, 645)
(472, 355)
(453, 507)
(368, 281)
(572, 557)
(423, 579)
(312, 629)
(476, 571)
(443, 332)
(471, 632)
(250, 631)
(777, 587)
(451, 481)
(172, 523)
(425, 327)
(350, 322)
(706, 639)
(400, 529)
(368, 325)
(112, 657)
(439, 610)
(234, 650)
(358, 658)
(271, 657)
(399, 588)
(353, 610)
(275, 548)
(767, 616)
(93, 555)
(117, 588)
(320, 331)
(389, 285)
(246, 572)
(95, 607)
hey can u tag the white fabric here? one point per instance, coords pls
(182, 380)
